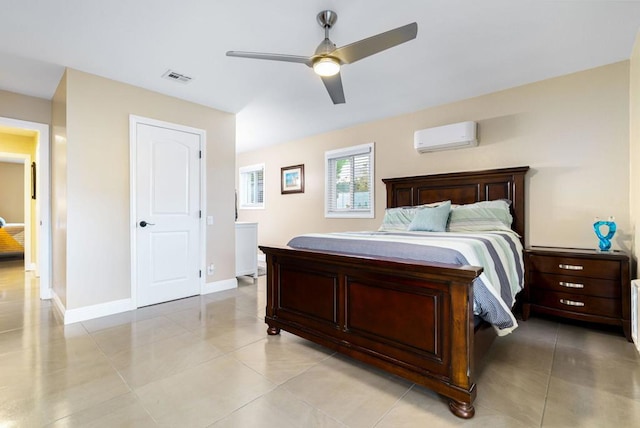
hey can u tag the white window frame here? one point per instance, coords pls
(362, 149)
(243, 203)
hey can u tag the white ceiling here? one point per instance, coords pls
(464, 48)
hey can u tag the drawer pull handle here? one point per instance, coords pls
(571, 302)
(570, 267)
(571, 284)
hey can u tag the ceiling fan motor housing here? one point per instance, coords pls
(325, 47)
(327, 18)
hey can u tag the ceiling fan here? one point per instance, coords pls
(328, 59)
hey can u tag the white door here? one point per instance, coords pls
(168, 214)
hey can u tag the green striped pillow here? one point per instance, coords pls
(482, 216)
(397, 219)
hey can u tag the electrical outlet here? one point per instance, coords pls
(211, 269)
(209, 220)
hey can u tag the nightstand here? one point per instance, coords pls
(584, 285)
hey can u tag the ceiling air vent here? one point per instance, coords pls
(176, 77)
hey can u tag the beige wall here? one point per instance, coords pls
(23, 107)
(59, 191)
(573, 131)
(97, 183)
(634, 149)
(12, 192)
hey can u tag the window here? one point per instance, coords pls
(349, 182)
(251, 193)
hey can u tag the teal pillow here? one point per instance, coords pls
(482, 216)
(431, 219)
(398, 219)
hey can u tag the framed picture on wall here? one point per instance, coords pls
(292, 180)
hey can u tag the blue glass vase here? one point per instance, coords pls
(605, 240)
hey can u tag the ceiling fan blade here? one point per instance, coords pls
(334, 87)
(273, 57)
(374, 44)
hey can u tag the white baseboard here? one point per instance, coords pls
(214, 287)
(46, 294)
(85, 313)
(57, 303)
(96, 311)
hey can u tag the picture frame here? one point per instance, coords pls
(292, 179)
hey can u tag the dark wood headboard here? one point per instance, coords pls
(463, 188)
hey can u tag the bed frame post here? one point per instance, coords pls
(272, 291)
(461, 350)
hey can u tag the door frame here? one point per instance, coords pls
(134, 121)
(43, 200)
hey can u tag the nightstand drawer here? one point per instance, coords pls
(606, 269)
(577, 303)
(577, 285)
(580, 284)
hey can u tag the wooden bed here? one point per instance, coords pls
(412, 319)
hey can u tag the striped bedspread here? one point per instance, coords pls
(499, 253)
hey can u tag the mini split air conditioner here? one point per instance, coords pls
(447, 137)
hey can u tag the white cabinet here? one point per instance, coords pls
(247, 249)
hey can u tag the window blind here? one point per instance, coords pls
(252, 186)
(349, 181)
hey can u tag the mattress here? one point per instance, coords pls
(499, 253)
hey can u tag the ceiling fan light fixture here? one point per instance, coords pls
(326, 67)
(328, 59)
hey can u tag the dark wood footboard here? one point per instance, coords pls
(409, 318)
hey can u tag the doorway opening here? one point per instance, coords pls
(16, 206)
(14, 147)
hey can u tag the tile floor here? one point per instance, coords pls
(207, 362)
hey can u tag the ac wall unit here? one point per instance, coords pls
(447, 137)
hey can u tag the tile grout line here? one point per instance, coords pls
(283, 386)
(131, 389)
(305, 401)
(394, 405)
(276, 385)
(553, 359)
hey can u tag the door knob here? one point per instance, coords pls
(145, 224)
